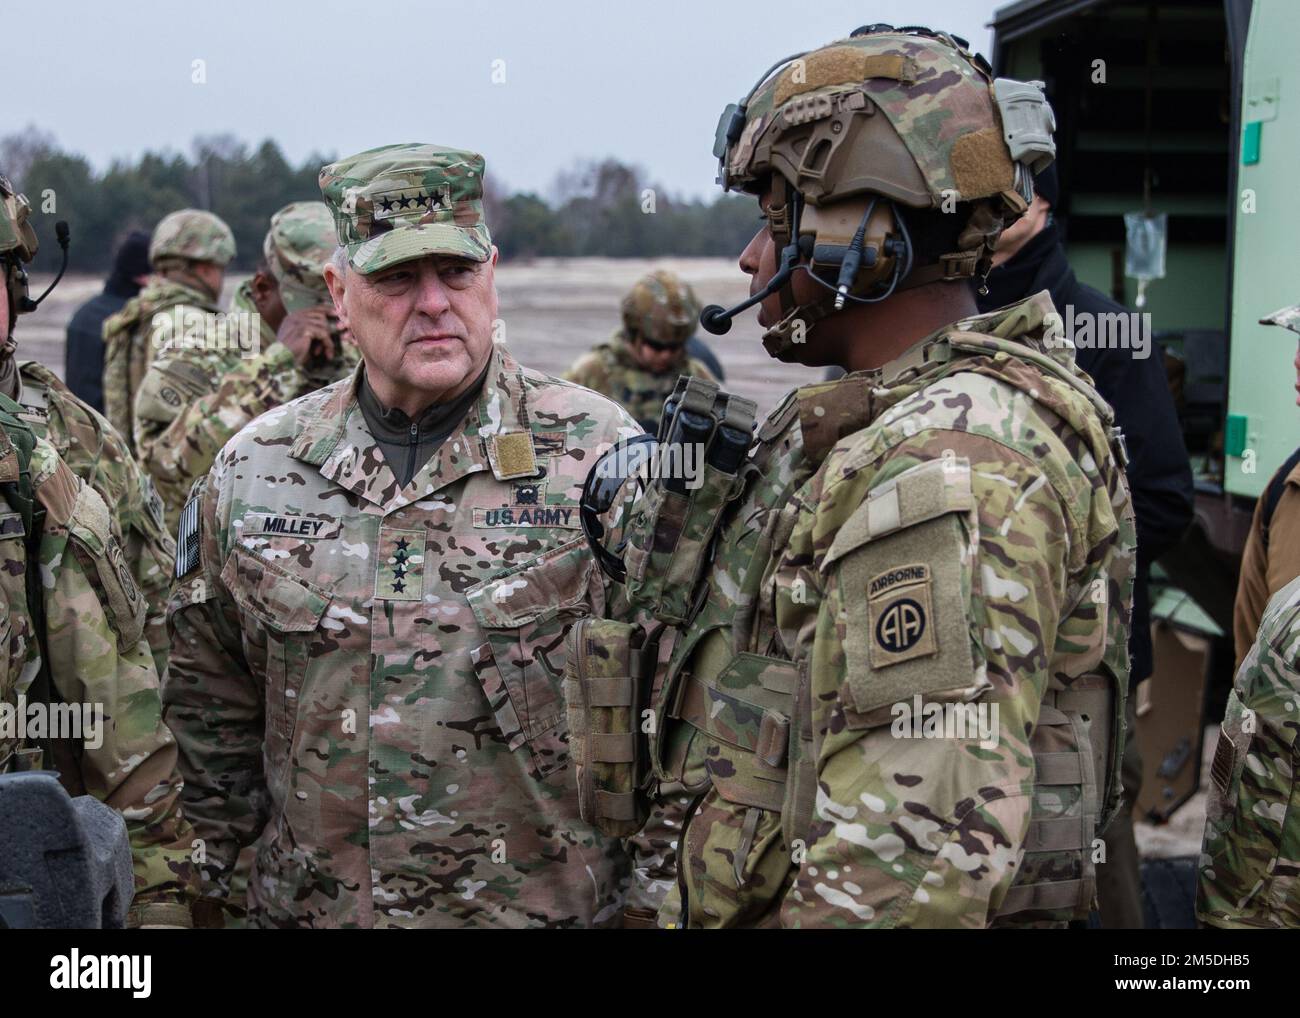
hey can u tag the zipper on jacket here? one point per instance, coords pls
(413, 440)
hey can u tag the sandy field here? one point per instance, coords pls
(554, 310)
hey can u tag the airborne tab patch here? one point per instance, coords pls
(899, 615)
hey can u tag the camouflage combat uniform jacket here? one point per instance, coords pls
(186, 448)
(1250, 859)
(379, 672)
(129, 345)
(949, 530)
(183, 371)
(94, 654)
(610, 370)
(99, 456)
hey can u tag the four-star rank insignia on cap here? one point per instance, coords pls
(409, 201)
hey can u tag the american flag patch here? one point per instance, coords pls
(187, 538)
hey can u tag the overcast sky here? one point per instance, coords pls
(643, 82)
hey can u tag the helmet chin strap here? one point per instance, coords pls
(783, 340)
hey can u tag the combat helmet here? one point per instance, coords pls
(298, 245)
(194, 235)
(855, 129)
(662, 308)
(17, 245)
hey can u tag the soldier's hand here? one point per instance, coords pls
(310, 336)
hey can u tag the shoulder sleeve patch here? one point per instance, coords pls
(106, 566)
(187, 532)
(904, 565)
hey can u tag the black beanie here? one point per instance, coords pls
(1047, 185)
(131, 260)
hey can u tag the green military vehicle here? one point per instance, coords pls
(1182, 109)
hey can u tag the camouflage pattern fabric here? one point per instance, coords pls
(98, 455)
(661, 306)
(297, 247)
(611, 370)
(399, 202)
(1287, 318)
(16, 233)
(1251, 853)
(898, 116)
(931, 93)
(378, 672)
(187, 447)
(951, 529)
(129, 344)
(194, 235)
(201, 348)
(97, 656)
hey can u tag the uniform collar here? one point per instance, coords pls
(829, 411)
(495, 435)
(159, 288)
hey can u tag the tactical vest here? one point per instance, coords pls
(18, 495)
(724, 685)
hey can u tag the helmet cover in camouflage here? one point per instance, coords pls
(16, 233)
(17, 245)
(194, 234)
(910, 116)
(661, 307)
(297, 247)
(1288, 318)
(400, 202)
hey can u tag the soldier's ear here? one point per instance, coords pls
(336, 282)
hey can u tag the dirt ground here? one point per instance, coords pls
(554, 310)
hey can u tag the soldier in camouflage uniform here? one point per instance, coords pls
(943, 534)
(287, 299)
(97, 454)
(375, 581)
(72, 637)
(641, 362)
(1251, 853)
(189, 252)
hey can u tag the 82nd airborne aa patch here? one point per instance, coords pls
(899, 615)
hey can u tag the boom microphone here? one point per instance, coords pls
(61, 234)
(717, 319)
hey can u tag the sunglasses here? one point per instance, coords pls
(659, 347)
